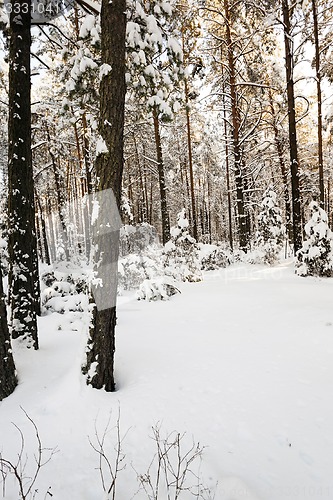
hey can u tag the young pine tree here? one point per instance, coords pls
(315, 258)
(181, 253)
(271, 231)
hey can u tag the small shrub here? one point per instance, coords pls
(315, 258)
(156, 289)
(215, 258)
(271, 232)
(181, 253)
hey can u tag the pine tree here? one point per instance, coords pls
(271, 231)
(315, 258)
(155, 70)
(23, 277)
(109, 169)
(294, 163)
(181, 252)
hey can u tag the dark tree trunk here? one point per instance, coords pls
(99, 366)
(241, 214)
(7, 368)
(227, 172)
(161, 177)
(279, 149)
(44, 235)
(60, 192)
(319, 104)
(296, 197)
(228, 194)
(23, 279)
(86, 151)
(190, 164)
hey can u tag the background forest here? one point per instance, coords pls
(149, 149)
(206, 118)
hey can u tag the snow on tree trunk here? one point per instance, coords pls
(109, 168)
(7, 368)
(315, 258)
(23, 277)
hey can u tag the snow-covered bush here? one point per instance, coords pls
(64, 290)
(135, 268)
(271, 231)
(135, 239)
(181, 253)
(213, 257)
(315, 258)
(157, 289)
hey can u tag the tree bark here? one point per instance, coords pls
(190, 164)
(60, 192)
(43, 231)
(23, 279)
(241, 214)
(99, 366)
(319, 104)
(7, 367)
(227, 171)
(161, 176)
(296, 197)
(279, 149)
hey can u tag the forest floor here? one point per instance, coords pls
(242, 362)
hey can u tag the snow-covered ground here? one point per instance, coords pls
(241, 361)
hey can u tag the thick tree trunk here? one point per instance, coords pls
(161, 177)
(7, 368)
(296, 197)
(319, 104)
(99, 366)
(23, 279)
(241, 214)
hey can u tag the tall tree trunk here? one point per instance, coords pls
(86, 149)
(43, 231)
(229, 197)
(296, 196)
(227, 171)
(190, 163)
(161, 176)
(99, 366)
(279, 149)
(7, 367)
(241, 216)
(319, 104)
(23, 279)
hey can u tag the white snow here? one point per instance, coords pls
(104, 70)
(101, 146)
(241, 361)
(87, 25)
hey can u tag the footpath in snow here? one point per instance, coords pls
(241, 362)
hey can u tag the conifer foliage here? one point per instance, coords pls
(181, 252)
(271, 231)
(315, 258)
